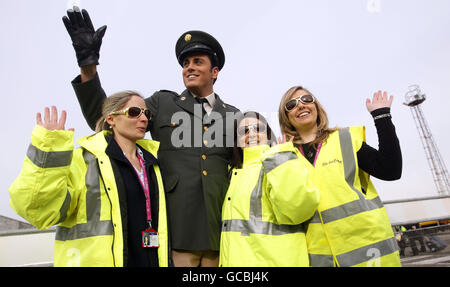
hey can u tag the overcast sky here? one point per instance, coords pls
(342, 51)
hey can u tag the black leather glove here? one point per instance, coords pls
(85, 40)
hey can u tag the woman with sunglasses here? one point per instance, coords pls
(350, 227)
(262, 224)
(107, 196)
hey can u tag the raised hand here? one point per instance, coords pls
(85, 40)
(379, 101)
(51, 120)
(283, 140)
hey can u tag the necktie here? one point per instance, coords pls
(202, 101)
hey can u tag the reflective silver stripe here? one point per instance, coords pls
(278, 159)
(247, 227)
(350, 208)
(84, 230)
(368, 252)
(64, 208)
(315, 218)
(49, 159)
(255, 199)
(348, 159)
(321, 260)
(93, 225)
(356, 206)
(255, 223)
(92, 188)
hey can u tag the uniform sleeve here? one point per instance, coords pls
(152, 104)
(43, 192)
(91, 96)
(293, 197)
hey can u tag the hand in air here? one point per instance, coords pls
(283, 139)
(379, 100)
(51, 121)
(85, 39)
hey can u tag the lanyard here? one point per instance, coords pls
(317, 152)
(146, 189)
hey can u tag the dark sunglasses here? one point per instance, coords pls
(246, 129)
(134, 112)
(305, 99)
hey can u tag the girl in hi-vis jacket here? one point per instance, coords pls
(106, 197)
(262, 221)
(351, 226)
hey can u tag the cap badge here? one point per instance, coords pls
(187, 37)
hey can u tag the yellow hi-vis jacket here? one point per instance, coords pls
(77, 191)
(351, 226)
(265, 207)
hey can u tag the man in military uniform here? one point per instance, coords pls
(194, 161)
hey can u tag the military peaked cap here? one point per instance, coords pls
(199, 41)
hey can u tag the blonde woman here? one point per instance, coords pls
(106, 197)
(350, 227)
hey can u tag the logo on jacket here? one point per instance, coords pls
(331, 162)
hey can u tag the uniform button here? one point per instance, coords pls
(203, 156)
(174, 124)
(205, 128)
(205, 142)
(229, 198)
(235, 173)
(205, 172)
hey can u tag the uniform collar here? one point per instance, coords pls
(252, 155)
(211, 98)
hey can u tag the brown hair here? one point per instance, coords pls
(289, 130)
(237, 157)
(113, 103)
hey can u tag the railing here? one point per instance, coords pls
(27, 248)
(35, 247)
(410, 211)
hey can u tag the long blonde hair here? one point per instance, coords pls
(289, 130)
(113, 103)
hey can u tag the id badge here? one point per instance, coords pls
(150, 238)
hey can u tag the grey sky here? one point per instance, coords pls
(342, 51)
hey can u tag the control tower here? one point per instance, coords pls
(413, 98)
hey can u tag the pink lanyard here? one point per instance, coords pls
(146, 189)
(317, 152)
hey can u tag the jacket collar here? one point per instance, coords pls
(252, 155)
(211, 98)
(103, 143)
(186, 101)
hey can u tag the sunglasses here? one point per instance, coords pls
(134, 112)
(305, 99)
(256, 127)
